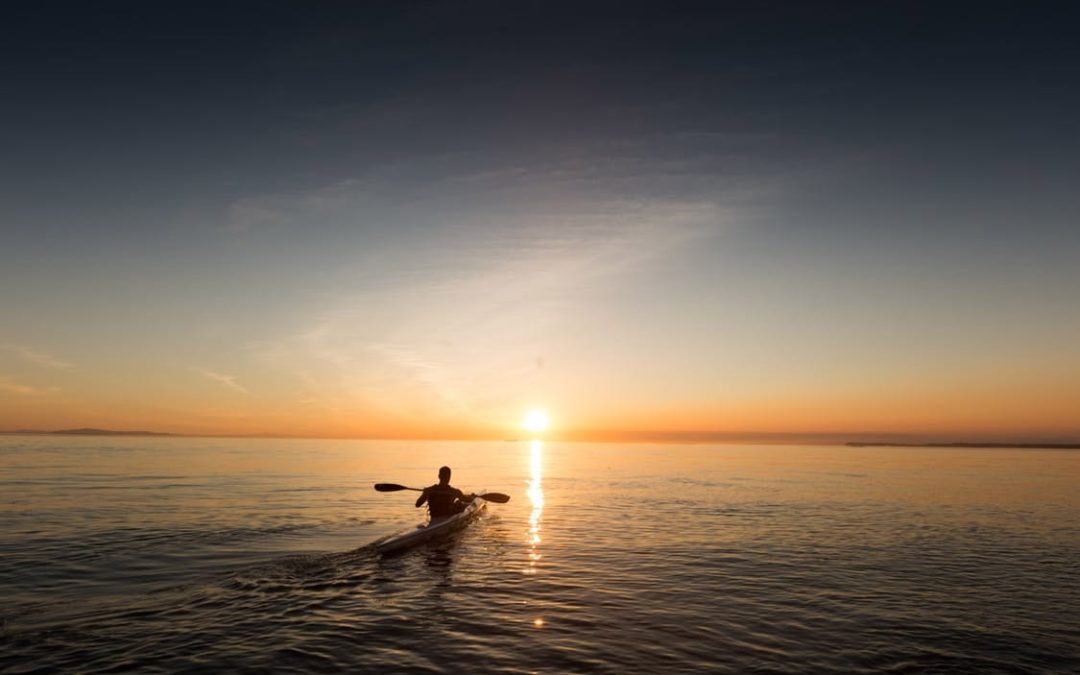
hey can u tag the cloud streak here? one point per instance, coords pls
(36, 357)
(478, 291)
(223, 379)
(12, 387)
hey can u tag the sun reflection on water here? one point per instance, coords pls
(536, 498)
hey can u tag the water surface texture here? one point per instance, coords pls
(166, 554)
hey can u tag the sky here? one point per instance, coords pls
(672, 220)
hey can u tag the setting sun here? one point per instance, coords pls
(535, 421)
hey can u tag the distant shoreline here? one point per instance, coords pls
(85, 432)
(1029, 446)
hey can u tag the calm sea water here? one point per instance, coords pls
(253, 555)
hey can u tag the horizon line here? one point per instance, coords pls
(621, 436)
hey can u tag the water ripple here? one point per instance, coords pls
(662, 572)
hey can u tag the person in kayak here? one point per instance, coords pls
(442, 498)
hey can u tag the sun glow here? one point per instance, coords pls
(535, 421)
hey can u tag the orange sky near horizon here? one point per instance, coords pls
(1038, 408)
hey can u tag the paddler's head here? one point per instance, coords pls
(444, 475)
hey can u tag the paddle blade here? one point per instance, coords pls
(497, 497)
(389, 487)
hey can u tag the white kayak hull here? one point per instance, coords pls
(434, 529)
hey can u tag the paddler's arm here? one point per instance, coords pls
(421, 499)
(465, 498)
(459, 496)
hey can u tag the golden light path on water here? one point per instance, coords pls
(536, 498)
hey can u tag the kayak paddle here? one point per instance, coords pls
(497, 497)
(393, 487)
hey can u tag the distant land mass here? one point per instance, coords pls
(90, 432)
(1042, 446)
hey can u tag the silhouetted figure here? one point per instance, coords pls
(442, 498)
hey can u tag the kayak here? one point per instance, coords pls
(437, 527)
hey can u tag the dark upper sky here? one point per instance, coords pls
(271, 95)
(923, 154)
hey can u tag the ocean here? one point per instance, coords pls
(252, 555)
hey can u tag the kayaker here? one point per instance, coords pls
(443, 499)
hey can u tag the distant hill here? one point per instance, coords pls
(90, 432)
(1043, 446)
(107, 432)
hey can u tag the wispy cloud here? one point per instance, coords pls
(460, 333)
(429, 373)
(450, 278)
(19, 389)
(35, 357)
(223, 379)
